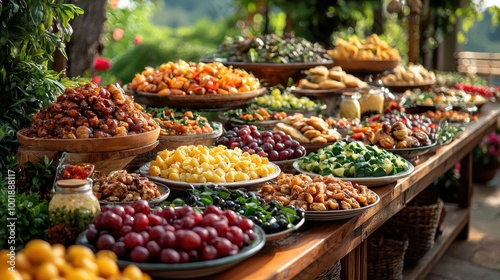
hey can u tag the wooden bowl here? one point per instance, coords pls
(366, 66)
(90, 145)
(171, 142)
(273, 74)
(104, 162)
(207, 102)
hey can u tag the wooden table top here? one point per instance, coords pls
(317, 245)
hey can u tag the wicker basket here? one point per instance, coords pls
(386, 254)
(420, 223)
(332, 273)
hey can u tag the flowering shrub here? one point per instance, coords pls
(487, 153)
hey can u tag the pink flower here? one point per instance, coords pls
(137, 39)
(493, 138)
(96, 79)
(118, 34)
(102, 64)
(492, 150)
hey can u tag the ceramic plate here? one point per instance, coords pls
(283, 234)
(332, 215)
(164, 193)
(411, 153)
(180, 185)
(367, 181)
(195, 269)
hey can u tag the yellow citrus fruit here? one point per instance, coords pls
(47, 271)
(132, 272)
(22, 262)
(79, 274)
(58, 250)
(6, 274)
(38, 251)
(86, 263)
(62, 265)
(107, 267)
(106, 253)
(78, 251)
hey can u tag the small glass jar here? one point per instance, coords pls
(72, 208)
(372, 102)
(349, 107)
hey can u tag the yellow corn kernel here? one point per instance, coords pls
(253, 175)
(230, 176)
(219, 172)
(164, 154)
(255, 158)
(241, 165)
(183, 177)
(264, 160)
(262, 171)
(154, 170)
(178, 156)
(240, 177)
(164, 173)
(174, 176)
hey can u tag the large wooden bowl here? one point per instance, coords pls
(366, 66)
(172, 142)
(273, 74)
(90, 145)
(207, 102)
(104, 162)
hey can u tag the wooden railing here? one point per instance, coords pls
(479, 63)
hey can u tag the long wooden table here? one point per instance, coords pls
(316, 246)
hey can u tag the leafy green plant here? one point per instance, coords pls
(38, 177)
(32, 218)
(31, 32)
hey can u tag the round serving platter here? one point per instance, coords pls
(367, 181)
(180, 185)
(333, 215)
(193, 270)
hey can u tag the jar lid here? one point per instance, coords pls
(352, 94)
(72, 183)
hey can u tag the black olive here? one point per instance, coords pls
(283, 224)
(228, 204)
(275, 227)
(252, 195)
(275, 203)
(266, 226)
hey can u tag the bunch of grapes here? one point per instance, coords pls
(169, 235)
(274, 145)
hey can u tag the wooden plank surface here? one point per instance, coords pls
(318, 245)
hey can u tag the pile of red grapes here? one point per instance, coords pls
(169, 235)
(276, 146)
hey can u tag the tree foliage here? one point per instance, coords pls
(28, 39)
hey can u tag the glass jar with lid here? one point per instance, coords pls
(72, 208)
(372, 102)
(349, 106)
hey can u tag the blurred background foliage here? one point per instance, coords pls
(157, 31)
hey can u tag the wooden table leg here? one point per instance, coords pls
(465, 191)
(355, 264)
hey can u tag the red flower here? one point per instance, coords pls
(137, 39)
(101, 64)
(118, 34)
(96, 80)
